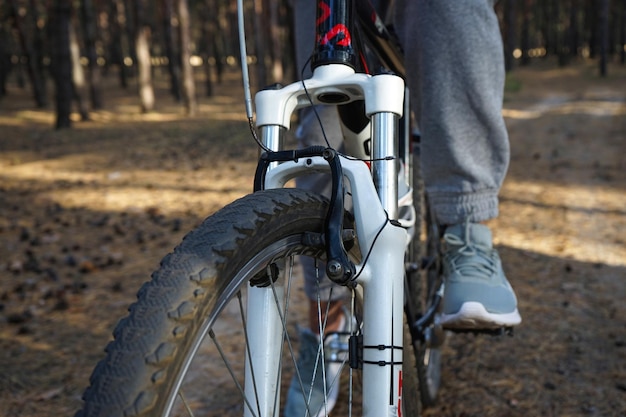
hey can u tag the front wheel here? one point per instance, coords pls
(224, 298)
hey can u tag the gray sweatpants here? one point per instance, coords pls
(455, 72)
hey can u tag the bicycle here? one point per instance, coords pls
(239, 264)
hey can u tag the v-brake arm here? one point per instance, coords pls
(339, 268)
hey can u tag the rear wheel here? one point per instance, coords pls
(422, 351)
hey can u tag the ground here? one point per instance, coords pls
(86, 214)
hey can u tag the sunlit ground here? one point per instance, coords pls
(572, 212)
(564, 221)
(565, 194)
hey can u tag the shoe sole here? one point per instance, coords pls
(474, 316)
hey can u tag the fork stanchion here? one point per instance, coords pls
(384, 166)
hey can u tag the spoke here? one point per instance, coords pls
(182, 397)
(319, 351)
(297, 371)
(320, 348)
(286, 335)
(230, 370)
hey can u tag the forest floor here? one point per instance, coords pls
(86, 214)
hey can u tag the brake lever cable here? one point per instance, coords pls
(243, 54)
(244, 61)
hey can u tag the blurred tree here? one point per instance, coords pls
(525, 32)
(510, 32)
(90, 31)
(35, 74)
(173, 57)
(622, 35)
(61, 61)
(142, 50)
(38, 23)
(604, 35)
(189, 86)
(119, 48)
(208, 44)
(79, 85)
(573, 32)
(276, 40)
(128, 33)
(591, 26)
(546, 24)
(230, 28)
(260, 42)
(220, 42)
(5, 63)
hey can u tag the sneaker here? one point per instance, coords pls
(477, 295)
(310, 365)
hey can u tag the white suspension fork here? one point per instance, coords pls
(381, 240)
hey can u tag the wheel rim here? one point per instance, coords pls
(282, 250)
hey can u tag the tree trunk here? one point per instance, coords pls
(130, 20)
(36, 78)
(173, 58)
(207, 45)
(613, 29)
(189, 86)
(622, 35)
(604, 35)
(220, 16)
(39, 46)
(218, 39)
(231, 44)
(259, 44)
(525, 33)
(78, 75)
(592, 18)
(558, 35)
(119, 40)
(144, 67)
(4, 62)
(573, 32)
(546, 23)
(276, 42)
(562, 39)
(510, 19)
(62, 62)
(90, 31)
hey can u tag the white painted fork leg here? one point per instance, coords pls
(264, 327)
(383, 311)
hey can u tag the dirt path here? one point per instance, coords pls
(85, 215)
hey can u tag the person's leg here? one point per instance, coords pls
(455, 71)
(456, 76)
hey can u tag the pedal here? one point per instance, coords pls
(501, 331)
(337, 346)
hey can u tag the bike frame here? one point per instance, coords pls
(374, 189)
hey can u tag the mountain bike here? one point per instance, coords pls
(229, 292)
